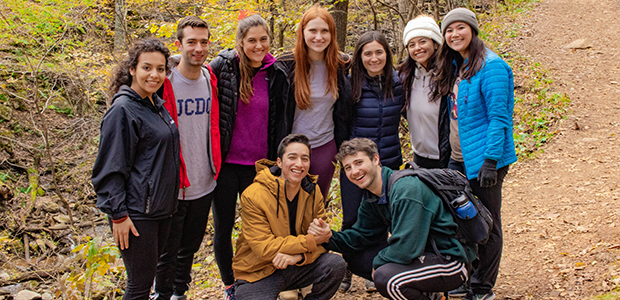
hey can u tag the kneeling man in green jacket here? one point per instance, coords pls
(406, 266)
(275, 252)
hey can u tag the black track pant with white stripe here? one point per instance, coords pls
(428, 273)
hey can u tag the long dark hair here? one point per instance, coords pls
(407, 68)
(447, 70)
(122, 76)
(246, 91)
(359, 72)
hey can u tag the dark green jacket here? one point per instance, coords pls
(416, 214)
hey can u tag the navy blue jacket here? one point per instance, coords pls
(378, 118)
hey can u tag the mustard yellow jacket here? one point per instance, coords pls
(265, 223)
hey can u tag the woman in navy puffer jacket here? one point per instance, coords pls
(378, 96)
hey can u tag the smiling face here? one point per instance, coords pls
(149, 74)
(256, 45)
(421, 49)
(295, 162)
(363, 171)
(194, 47)
(373, 58)
(317, 37)
(458, 36)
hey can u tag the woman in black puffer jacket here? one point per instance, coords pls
(249, 116)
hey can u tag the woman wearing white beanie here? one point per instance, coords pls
(429, 122)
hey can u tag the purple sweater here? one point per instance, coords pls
(249, 137)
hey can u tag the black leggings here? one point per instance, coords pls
(231, 183)
(486, 267)
(427, 273)
(141, 257)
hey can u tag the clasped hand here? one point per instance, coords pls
(320, 230)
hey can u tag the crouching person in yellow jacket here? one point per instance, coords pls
(274, 250)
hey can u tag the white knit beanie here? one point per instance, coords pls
(422, 27)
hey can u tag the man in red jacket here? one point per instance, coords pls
(190, 95)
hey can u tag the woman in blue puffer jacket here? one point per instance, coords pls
(480, 89)
(377, 92)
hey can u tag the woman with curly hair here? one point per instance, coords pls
(138, 148)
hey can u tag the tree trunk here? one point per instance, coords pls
(340, 12)
(120, 16)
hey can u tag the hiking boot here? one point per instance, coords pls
(229, 292)
(289, 295)
(459, 292)
(370, 286)
(345, 285)
(175, 297)
(489, 296)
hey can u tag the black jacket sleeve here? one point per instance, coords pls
(117, 147)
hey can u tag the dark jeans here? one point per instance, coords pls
(231, 183)
(325, 274)
(141, 257)
(360, 263)
(427, 163)
(187, 230)
(486, 266)
(428, 273)
(322, 164)
(456, 165)
(489, 255)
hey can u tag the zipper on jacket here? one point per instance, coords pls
(148, 197)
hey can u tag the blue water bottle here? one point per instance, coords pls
(464, 208)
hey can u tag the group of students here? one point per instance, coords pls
(182, 136)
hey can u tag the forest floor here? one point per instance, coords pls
(561, 210)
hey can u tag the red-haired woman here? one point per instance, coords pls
(316, 92)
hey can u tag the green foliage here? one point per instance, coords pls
(94, 277)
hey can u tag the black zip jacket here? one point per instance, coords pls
(137, 169)
(343, 108)
(226, 68)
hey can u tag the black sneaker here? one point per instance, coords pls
(345, 285)
(459, 292)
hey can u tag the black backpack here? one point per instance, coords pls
(449, 185)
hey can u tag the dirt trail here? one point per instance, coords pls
(561, 210)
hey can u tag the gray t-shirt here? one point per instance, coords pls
(193, 100)
(317, 122)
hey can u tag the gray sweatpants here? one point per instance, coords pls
(325, 274)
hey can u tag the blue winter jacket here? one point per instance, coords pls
(378, 118)
(485, 105)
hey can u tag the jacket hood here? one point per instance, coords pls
(268, 174)
(126, 91)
